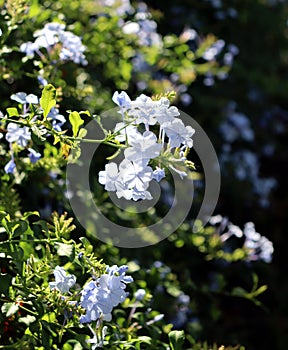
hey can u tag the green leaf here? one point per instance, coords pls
(12, 112)
(5, 284)
(48, 99)
(176, 339)
(75, 121)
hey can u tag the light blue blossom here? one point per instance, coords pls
(121, 7)
(143, 147)
(10, 167)
(42, 80)
(57, 120)
(259, 247)
(126, 131)
(108, 176)
(158, 174)
(72, 49)
(136, 175)
(122, 100)
(33, 155)
(99, 297)
(18, 134)
(140, 294)
(22, 97)
(178, 133)
(149, 112)
(63, 282)
(52, 34)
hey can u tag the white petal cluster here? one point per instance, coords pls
(99, 297)
(163, 132)
(256, 246)
(51, 35)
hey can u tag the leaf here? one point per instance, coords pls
(176, 339)
(76, 122)
(5, 284)
(48, 99)
(12, 112)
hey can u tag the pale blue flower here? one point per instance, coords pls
(42, 81)
(22, 97)
(140, 195)
(122, 99)
(259, 247)
(125, 131)
(72, 49)
(10, 167)
(143, 147)
(52, 34)
(140, 294)
(33, 155)
(108, 176)
(57, 120)
(135, 175)
(99, 297)
(29, 48)
(18, 134)
(63, 282)
(158, 174)
(178, 133)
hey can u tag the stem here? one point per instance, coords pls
(28, 240)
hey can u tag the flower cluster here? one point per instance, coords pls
(256, 246)
(21, 135)
(100, 296)
(246, 164)
(52, 35)
(131, 178)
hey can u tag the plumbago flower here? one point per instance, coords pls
(29, 107)
(20, 135)
(256, 246)
(52, 35)
(63, 282)
(165, 141)
(99, 297)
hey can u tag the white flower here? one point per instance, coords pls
(99, 297)
(136, 175)
(62, 282)
(22, 97)
(125, 131)
(131, 28)
(17, 134)
(178, 133)
(122, 99)
(108, 176)
(143, 147)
